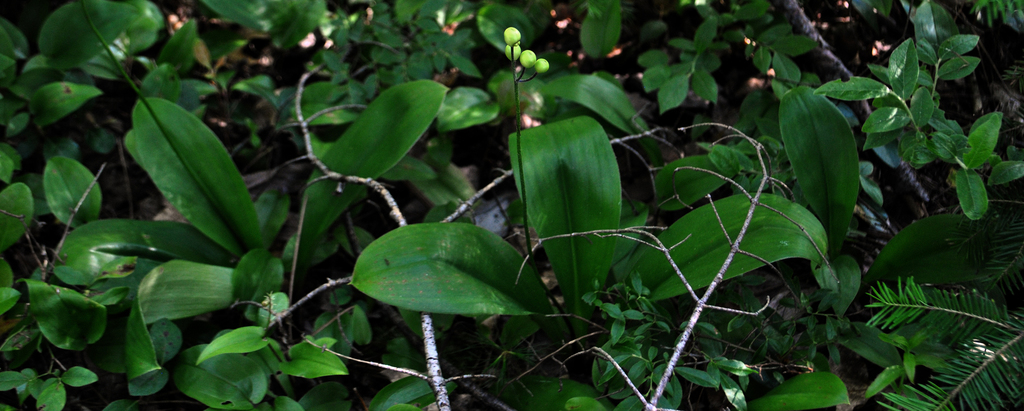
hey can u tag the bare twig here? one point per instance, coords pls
(466, 205)
(74, 211)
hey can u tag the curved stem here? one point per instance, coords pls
(522, 180)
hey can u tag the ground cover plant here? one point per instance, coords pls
(536, 205)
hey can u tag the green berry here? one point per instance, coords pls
(542, 66)
(528, 59)
(509, 52)
(512, 36)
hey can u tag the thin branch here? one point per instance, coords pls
(466, 205)
(74, 211)
(331, 283)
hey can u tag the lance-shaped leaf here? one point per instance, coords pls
(16, 199)
(194, 171)
(65, 182)
(678, 188)
(821, 148)
(572, 186)
(54, 101)
(229, 381)
(857, 88)
(448, 268)
(924, 250)
(600, 96)
(140, 355)
(67, 40)
(240, 341)
(380, 137)
(92, 246)
(770, 236)
(803, 392)
(601, 28)
(179, 289)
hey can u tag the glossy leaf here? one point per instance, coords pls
(857, 88)
(179, 289)
(678, 188)
(448, 268)
(823, 152)
(140, 356)
(956, 45)
(932, 24)
(842, 276)
(673, 92)
(311, 361)
(1002, 173)
(924, 250)
(163, 82)
(600, 31)
(78, 377)
(257, 274)
(8, 297)
(272, 211)
(704, 85)
(229, 381)
(178, 52)
(770, 236)
(250, 14)
(904, 69)
(572, 186)
(54, 101)
(785, 68)
(983, 138)
(238, 341)
(17, 200)
(67, 40)
(865, 342)
(970, 190)
(292, 21)
(66, 181)
(53, 397)
(66, 318)
(598, 95)
(195, 173)
(493, 19)
(403, 391)
(803, 392)
(466, 107)
(92, 246)
(921, 107)
(888, 376)
(376, 142)
(959, 67)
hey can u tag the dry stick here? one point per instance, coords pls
(552, 354)
(476, 197)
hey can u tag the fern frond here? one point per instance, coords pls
(914, 399)
(988, 372)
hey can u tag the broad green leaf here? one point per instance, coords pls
(865, 342)
(785, 68)
(600, 96)
(149, 383)
(376, 142)
(238, 341)
(958, 67)
(821, 148)
(194, 171)
(857, 88)
(146, 28)
(311, 361)
(404, 391)
(921, 107)
(54, 101)
(673, 92)
(803, 392)
(536, 393)
(971, 192)
(600, 31)
(272, 211)
(572, 186)
(762, 59)
(166, 339)
(794, 45)
(925, 250)
(885, 119)
(163, 82)
(465, 107)
(326, 397)
(770, 236)
(842, 276)
(705, 34)
(8, 297)
(932, 24)
(584, 404)
(699, 377)
(67, 40)
(179, 50)
(140, 356)
(448, 268)
(179, 289)
(1003, 172)
(983, 138)
(53, 397)
(752, 10)
(292, 21)
(257, 274)
(66, 181)
(78, 377)
(229, 381)
(67, 319)
(10, 380)
(678, 188)
(956, 45)
(493, 19)
(704, 85)
(251, 14)
(904, 69)
(92, 246)
(17, 200)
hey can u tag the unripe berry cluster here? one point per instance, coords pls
(526, 57)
